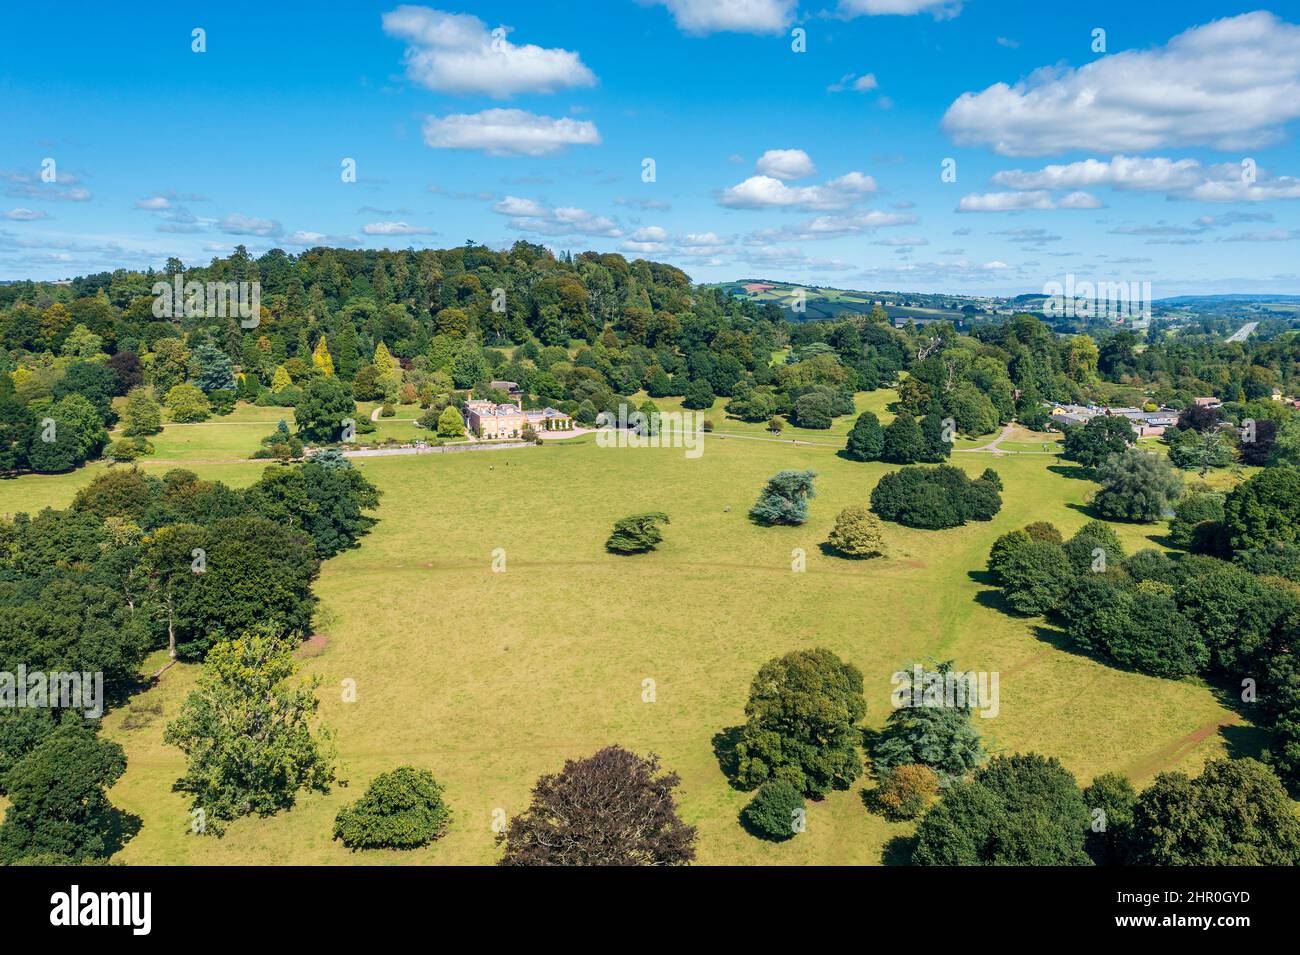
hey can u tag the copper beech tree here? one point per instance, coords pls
(612, 808)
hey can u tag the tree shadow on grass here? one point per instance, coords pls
(1245, 742)
(119, 827)
(898, 851)
(1075, 471)
(724, 750)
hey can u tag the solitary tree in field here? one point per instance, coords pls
(857, 533)
(637, 533)
(785, 499)
(612, 808)
(802, 723)
(188, 404)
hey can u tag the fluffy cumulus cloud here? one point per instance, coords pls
(785, 164)
(456, 53)
(767, 190)
(508, 132)
(1031, 199)
(1231, 84)
(527, 215)
(25, 215)
(734, 16)
(1178, 178)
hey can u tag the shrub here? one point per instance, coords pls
(126, 450)
(775, 810)
(905, 792)
(402, 809)
(857, 533)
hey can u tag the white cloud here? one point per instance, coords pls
(765, 192)
(858, 84)
(393, 228)
(25, 215)
(835, 226)
(785, 164)
(650, 234)
(307, 239)
(528, 215)
(1033, 199)
(1179, 178)
(508, 132)
(153, 203)
(942, 9)
(1232, 84)
(455, 53)
(514, 206)
(701, 240)
(1275, 235)
(238, 224)
(736, 16)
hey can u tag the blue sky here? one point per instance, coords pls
(1169, 157)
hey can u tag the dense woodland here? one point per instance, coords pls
(581, 334)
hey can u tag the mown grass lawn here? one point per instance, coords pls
(491, 679)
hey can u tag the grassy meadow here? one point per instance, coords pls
(491, 679)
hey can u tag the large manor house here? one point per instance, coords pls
(487, 419)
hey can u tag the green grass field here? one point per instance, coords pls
(491, 679)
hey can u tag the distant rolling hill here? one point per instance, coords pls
(824, 303)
